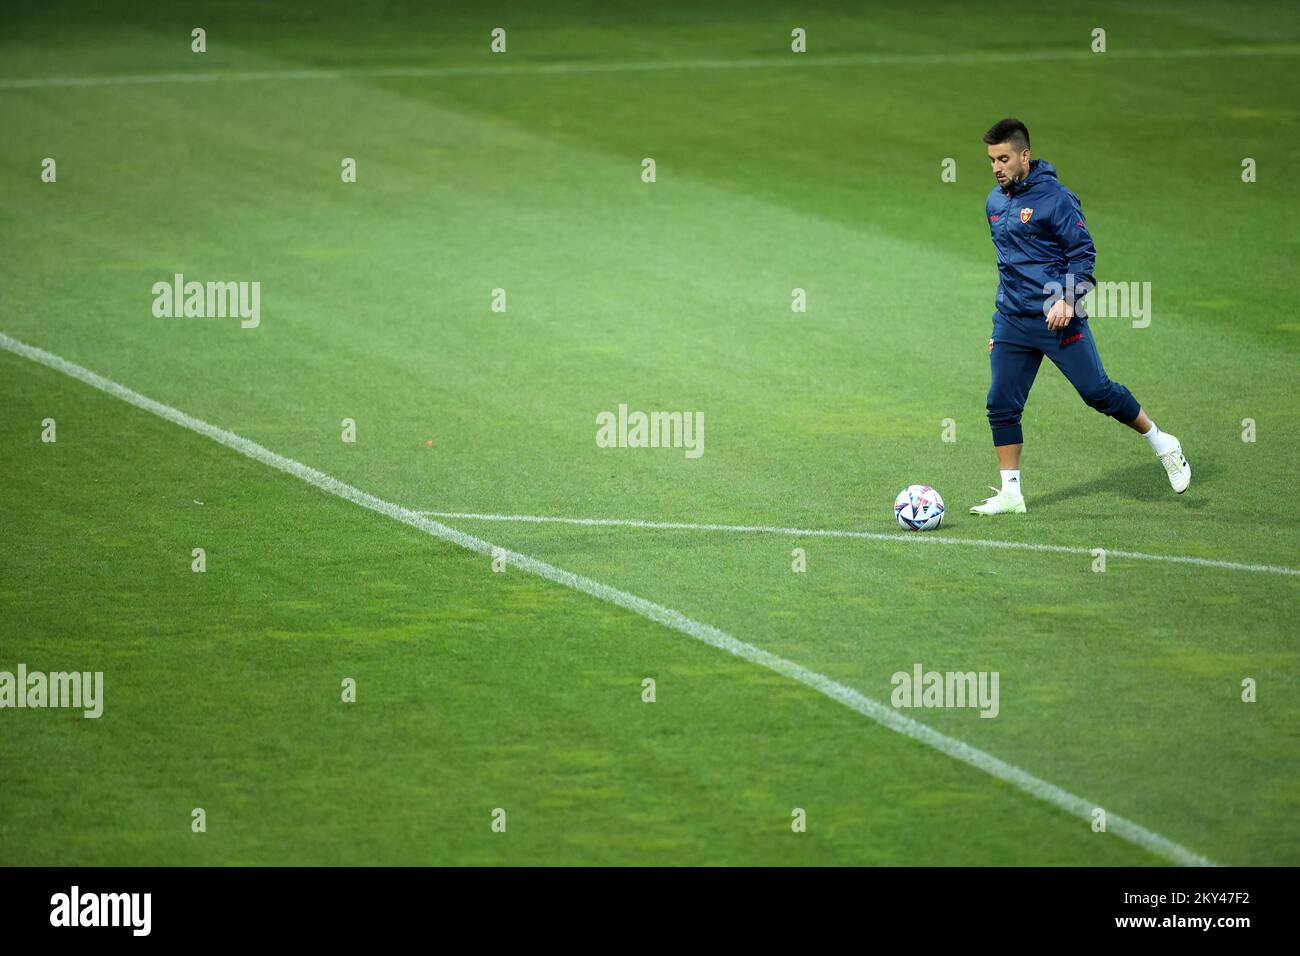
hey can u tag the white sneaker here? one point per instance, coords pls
(1179, 469)
(1004, 502)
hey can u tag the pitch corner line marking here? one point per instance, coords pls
(884, 715)
(926, 538)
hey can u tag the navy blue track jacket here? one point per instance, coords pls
(1038, 230)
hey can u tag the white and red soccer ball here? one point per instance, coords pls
(919, 508)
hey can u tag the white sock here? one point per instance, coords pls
(1011, 480)
(1160, 442)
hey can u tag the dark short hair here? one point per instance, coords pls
(1010, 131)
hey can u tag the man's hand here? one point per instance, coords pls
(990, 346)
(1060, 315)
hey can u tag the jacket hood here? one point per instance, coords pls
(1039, 170)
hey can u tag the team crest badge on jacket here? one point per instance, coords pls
(1025, 214)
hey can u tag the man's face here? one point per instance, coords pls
(1009, 166)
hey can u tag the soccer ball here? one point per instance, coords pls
(919, 508)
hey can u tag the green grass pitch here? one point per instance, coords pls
(523, 171)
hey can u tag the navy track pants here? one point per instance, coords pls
(1019, 345)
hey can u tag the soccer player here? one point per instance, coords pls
(1045, 261)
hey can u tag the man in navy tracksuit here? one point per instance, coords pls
(1045, 263)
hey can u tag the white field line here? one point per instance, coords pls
(902, 537)
(887, 716)
(791, 61)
